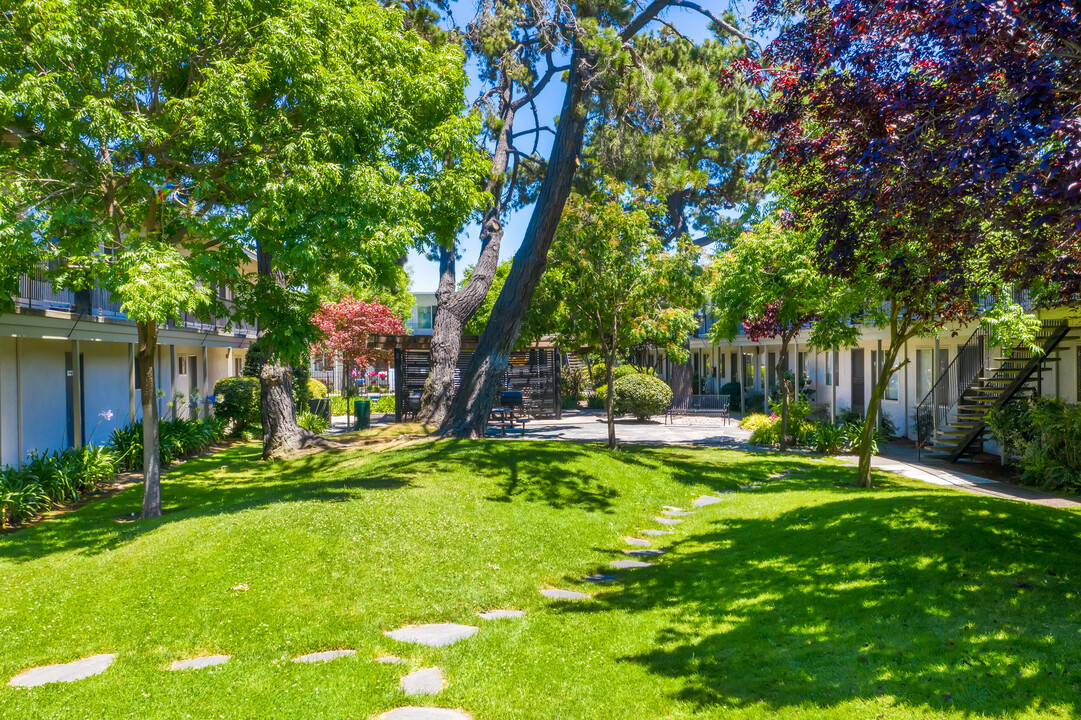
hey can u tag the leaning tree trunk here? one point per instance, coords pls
(144, 361)
(281, 434)
(454, 309)
(473, 402)
(870, 425)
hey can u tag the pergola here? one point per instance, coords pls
(533, 371)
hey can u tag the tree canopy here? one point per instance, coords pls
(615, 283)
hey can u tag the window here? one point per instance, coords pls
(238, 367)
(892, 388)
(836, 366)
(720, 364)
(182, 365)
(830, 359)
(924, 373)
(735, 367)
(424, 317)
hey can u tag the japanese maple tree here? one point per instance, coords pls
(346, 328)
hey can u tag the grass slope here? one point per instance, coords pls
(804, 598)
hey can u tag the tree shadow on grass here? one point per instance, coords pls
(942, 601)
(230, 481)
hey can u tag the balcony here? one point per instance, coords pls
(37, 293)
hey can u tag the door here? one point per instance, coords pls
(69, 394)
(859, 396)
(771, 360)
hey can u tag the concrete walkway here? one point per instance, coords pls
(590, 426)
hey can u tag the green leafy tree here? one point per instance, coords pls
(521, 47)
(766, 283)
(617, 284)
(538, 320)
(314, 135)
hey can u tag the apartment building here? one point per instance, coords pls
(67, 367)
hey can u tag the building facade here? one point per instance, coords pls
(955, 374)
(67, 368)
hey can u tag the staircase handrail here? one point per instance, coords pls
(957, 379)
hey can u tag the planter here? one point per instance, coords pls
(363, 411)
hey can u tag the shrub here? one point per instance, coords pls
(49, 478)
(642, 395)
(622, 371)
(237, 402)
(312, 422)
(754, 400)
(848, 415)
(384, 404)
(853, 432)
(317, 389)
(827, 439)
(765, 429)
(176, 439)
(731, 389)
(1045, 434)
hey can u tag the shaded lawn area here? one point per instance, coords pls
(804, 598)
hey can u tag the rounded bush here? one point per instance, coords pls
(237, 401)
(622, 371)
(317, 389)
(642, 395)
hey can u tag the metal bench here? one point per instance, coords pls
(509, 412)
(717, 405)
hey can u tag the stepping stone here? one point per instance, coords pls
(675, 513)
(323, 656)
(390, 660)
(66, 672)
(671, 507)
(600, 578)
(667, 521)
(427, 681)
(433, 635)
(557, 594)
(655, 533)
(644, 553)
(199, 662)
(707, 500)
(629, 564)
(423, 713)
(636, 541)
(752, 486)
(500, 614)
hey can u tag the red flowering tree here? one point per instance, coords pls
(345, 330)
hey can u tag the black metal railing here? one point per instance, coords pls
(962, 374)
(36, 292)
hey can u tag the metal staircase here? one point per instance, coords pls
(951, 419)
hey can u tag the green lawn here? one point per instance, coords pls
(805, 598)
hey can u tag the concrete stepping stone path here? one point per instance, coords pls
(751, 486)
(600, 578)
(644, 553)
(199, 663)
(707, 500)
(675, 513)
(558, 594)
(426, 681)
(671, 507)
(64, 672)
(636, 541)
(433, 635)
(323, 656)
(500, 614)
(630, 564)
(655, 533)
(423, 713)
(667, 521)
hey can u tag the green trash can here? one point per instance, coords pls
(363, 410)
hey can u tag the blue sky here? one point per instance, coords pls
(425, 273)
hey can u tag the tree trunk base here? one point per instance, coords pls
(281, 434)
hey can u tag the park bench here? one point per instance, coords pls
(716, 405)
(509, 412)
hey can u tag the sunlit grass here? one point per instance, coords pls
(804, 598)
